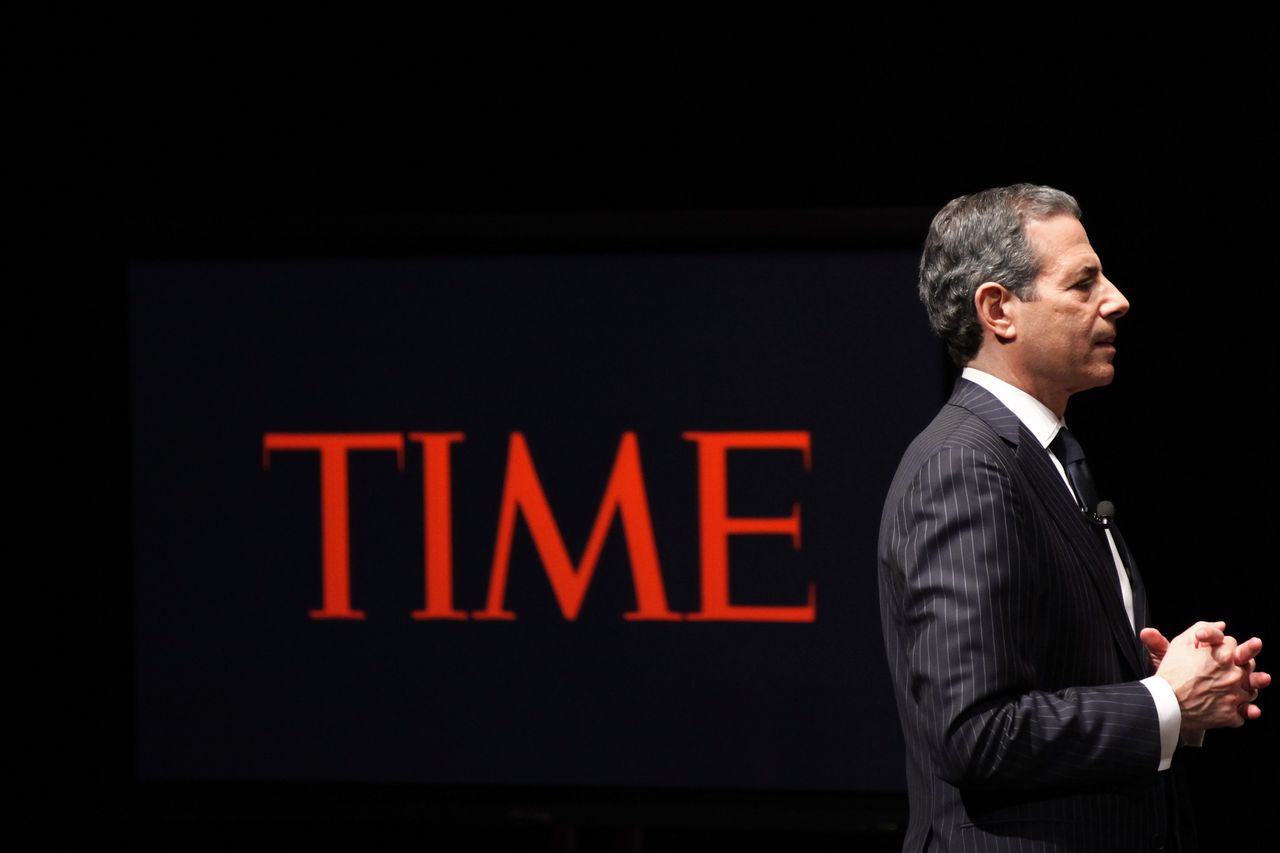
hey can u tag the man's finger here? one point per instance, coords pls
(1209, 633)
(1248, 650)
(1155, 642)
(1225, 652)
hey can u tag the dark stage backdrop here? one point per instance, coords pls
(547, 519)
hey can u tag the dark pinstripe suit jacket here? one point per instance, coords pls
(1015, 667)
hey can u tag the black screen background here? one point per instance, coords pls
(235, 682)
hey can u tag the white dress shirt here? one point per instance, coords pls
(1044, 425)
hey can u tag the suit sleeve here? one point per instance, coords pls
(967, 631)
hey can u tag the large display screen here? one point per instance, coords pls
(543, 519)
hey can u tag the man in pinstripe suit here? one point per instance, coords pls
(1040, 710)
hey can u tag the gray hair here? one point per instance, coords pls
(979, 238)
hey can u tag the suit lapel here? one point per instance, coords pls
(1141, 610)
(1033, 460)
(1085, 539)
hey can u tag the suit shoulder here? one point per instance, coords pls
(954, 427)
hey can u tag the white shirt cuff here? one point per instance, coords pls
(1170, 717)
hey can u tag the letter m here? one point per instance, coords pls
(624, 495)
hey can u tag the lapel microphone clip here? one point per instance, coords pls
(1103, 516)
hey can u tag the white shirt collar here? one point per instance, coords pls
(1035, 416)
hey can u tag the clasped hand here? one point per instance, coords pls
(1214, 677)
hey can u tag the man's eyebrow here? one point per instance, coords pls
(1089, 270)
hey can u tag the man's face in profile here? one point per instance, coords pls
(1067, 330)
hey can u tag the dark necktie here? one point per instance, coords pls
(1071, 455)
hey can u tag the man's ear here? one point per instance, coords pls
(992, 302)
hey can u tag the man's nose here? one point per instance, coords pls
(1114, 303)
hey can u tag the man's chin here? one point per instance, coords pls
(1104, 377)
(1097, 379)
